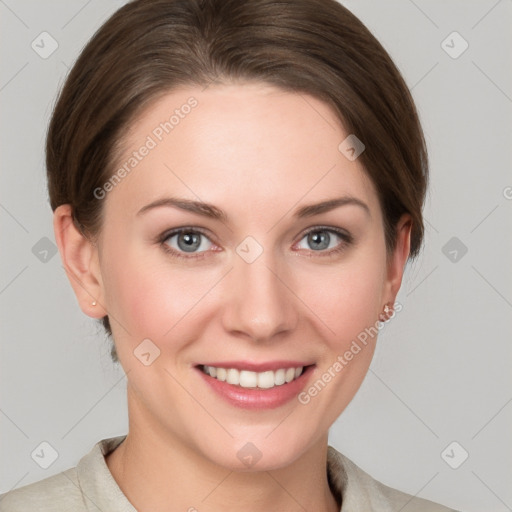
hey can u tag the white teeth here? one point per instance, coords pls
(290, 374)
(233, 376)
(266, 380)
(248, 379)
(280, 377)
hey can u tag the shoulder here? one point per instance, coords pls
(88, 484)
(60, 491)
(361, 492)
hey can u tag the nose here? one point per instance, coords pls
(258, 300)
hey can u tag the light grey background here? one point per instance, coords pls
(441, 372)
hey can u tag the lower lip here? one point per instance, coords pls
(258, 398)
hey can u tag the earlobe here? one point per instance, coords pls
(398, 259)
(80, 261)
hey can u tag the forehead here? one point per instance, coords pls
(242, 146)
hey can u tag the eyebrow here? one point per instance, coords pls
(211, 211)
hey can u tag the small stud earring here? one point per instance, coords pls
(383, 317)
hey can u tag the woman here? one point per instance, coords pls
(237, 187)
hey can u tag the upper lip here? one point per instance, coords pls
(257, 367)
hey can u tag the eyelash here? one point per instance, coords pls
(347, 240)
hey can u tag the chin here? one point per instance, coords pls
(259, 452)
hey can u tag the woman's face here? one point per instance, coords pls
(250, 281)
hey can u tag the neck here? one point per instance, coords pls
(160, 469)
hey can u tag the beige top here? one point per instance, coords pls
(90, 487)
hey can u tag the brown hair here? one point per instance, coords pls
(318, 47)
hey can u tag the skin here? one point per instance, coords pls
(258, 153)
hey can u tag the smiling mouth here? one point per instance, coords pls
(254, 380)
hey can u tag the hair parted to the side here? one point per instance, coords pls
(317, 47)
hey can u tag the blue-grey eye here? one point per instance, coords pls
(322, 239)
(188, 241)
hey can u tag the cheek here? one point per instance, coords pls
(150, 297)
(347, 298)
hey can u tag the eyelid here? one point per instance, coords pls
(176, 231)
(342, 233)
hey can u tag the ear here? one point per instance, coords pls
(398, 259)
(80, 260)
